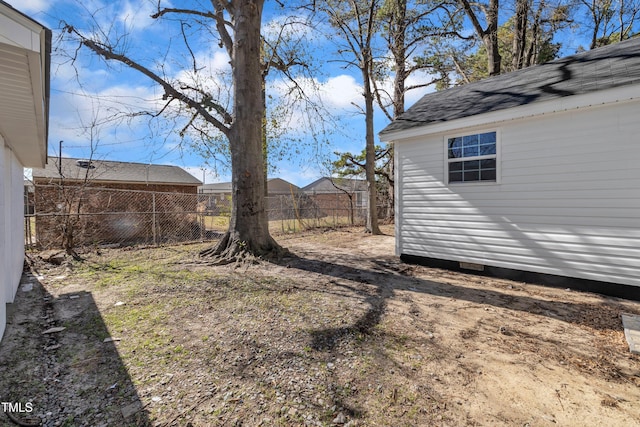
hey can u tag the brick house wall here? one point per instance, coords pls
(335, 202)
(114, 212)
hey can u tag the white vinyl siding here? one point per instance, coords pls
(4, 241)
(11, 228)
(24, 76)
(567, 203)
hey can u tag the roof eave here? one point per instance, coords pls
(607, 96)
(31, 48)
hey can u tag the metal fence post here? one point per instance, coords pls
(200, 211)
(281, 214)
(153, 220)
(335, 212)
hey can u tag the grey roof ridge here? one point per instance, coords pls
(116, 171)
(545, 74)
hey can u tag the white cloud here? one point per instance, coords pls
(338, 92)
(413, 96)
(341, 91)
(31, 6)
(219, 61)
(136, 15)
(107, 90)
(287, 27)
(107, 93)
(76, 112)
(213, 76)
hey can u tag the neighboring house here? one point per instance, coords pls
(117, 175)
(279, 187)
(100, 192)
(217, 196)
(25, 51)
(341, 194)
(535, 171)
(328, 185)
(275, 186)
(218, 188)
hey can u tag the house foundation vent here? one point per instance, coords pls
(471, 266)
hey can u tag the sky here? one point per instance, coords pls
(87, 92)
(89, 96)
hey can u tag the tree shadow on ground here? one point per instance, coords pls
(387, 275)
(58, 356)
(376, 298)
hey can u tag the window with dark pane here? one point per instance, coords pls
(472, 158)
(455, 148)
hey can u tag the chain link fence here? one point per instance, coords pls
(76, 216)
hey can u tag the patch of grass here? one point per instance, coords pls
(216, 222)
(397, 342)
(110, 273)
(142, 332)
(94, 327)
(129, 317)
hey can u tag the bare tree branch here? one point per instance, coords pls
(225, 38)
(170, 92)
(186, 43)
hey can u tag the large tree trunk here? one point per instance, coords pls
(520, 34)
(370, 165)
(532, 56)
(399, 50)
(489, 35)
(248, 233)
(490, 39)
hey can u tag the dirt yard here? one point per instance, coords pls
(343, 334)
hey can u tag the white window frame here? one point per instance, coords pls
(496, 156)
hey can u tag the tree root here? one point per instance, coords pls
(31, 422)
(232, 250)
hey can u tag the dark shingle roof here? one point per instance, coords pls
(281, 186)
(112, 171)
(216, 187)
(598, 69)
(328, 185)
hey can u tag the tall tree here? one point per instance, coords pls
(610, 21)
(350, 165)
(525, 39)
(533, 29)
(520, 21)
(356, 22)
(488, 33)
(287, 59)
(236, 23)
(409, 28)
(529, 41)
